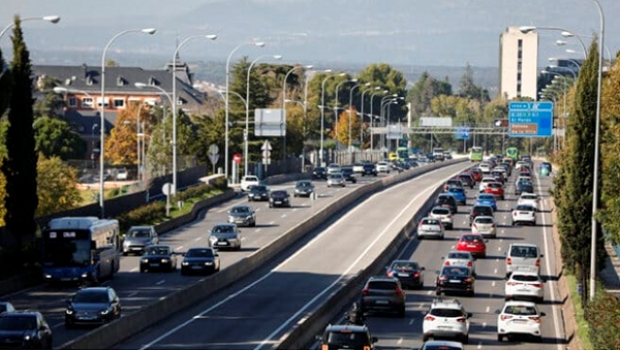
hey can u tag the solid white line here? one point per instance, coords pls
(256, 282)
(488, 309)
(198, 238)
(548, 266)
(400, 341)
(135, 269)
(160, 282)
(178, 248)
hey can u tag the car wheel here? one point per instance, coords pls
(401, 312)
(124, 253)
(68, 325)
(500, 338)
(142, 270)
(513, 223)
(249, 199)
(465, 339)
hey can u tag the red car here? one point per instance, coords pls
(476, 174)
(472, 243)
(496, 189)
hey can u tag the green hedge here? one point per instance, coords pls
(603, 316)
(143, 215)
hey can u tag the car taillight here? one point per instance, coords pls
(470, 264)
(442, 278)
(505, 317)
(508, 260)
(512, 283)
(514, 213)
(461, 320)
(449, 216)
(538, 262)
(365, 291)
(429, 318)
(493, 225)
(447, 263)
(324, 347)
(400, 292)
(366, 347)
(390, 273)
(468, 280)
(416, 274)
(535, 319)
(537, 285)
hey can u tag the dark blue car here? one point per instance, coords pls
(487, 200)
(459, 194)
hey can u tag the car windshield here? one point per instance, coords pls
(459, 255)
(486, 197)
(199, 253)
(405, 266)
(140, 233)
(91, 297)
(223, 229)
(455, 271)
(525, 208)
(319, 169)
(258, 188)
(528, 197)
(352, 340)
(440, 211)
(158, 250)
(446, 312)
(524, 278)
(484, 220)
(524, 251)
(382, 285)
(304, 184)
(430, 222)
(251, 179)
(239, 210)
(521, 310)
(471, 238)
(278, 193)
(335, 176)
(456, 190)
(482, 210)
(18, 323)
(435, 346)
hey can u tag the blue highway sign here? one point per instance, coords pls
(461, 133)
(530, 119)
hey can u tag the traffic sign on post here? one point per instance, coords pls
(237, 158)
(530, 119)
(462, 133)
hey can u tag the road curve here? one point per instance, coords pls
(256, 311)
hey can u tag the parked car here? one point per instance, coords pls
(409, 273)
(242, 215)
(519, 318)
(279, 198)
(248, 181)
(25, 330)
(258, 193)
(319, 173)
(383, 294)
(347, 337)
(446, 319)
(455, 279)
(225, 236)
(138, 238)
(158, 258)
(303, 188)
(92, 306)
(200, 260)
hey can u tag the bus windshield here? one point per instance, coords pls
(66, 252)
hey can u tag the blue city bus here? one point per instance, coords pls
(77, 249)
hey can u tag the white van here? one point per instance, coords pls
(523, 258)
(438, 154)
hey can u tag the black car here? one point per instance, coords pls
(524, 187)
(409, 273)
(280, 198)
(200, 260)
(455, 279)
(258, 193)
(369, 169)
(319, 173)
(447, 200)
(480, 210)
(158, 258)
(347, 173)
(347, 337)
(92, 306)
(303, 188)
(24, 330)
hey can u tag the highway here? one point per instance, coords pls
(139, 289)
(256, 311)
(395, 333)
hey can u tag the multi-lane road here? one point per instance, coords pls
(255, 312)
(139, 289)
(406, 333)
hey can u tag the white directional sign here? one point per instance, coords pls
(266, 146)
(213, 149)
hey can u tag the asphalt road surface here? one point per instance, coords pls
(256, 311)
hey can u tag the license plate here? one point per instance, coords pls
(154, 264)
(196, 267)
(278, 202)
(471, 246)
(381, 302)
(524, 213)
(454, 281)
(444, 327)
(403, 275)
(222, 243)
(136, 248)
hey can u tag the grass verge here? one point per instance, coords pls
(583, 329)
(188, 204)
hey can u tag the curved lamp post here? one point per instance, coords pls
(226, 137)
(372, 117)
(350, 115)
(51, 19)
(174, 106)
(284, 101)
(362, 114)
(246, 132)
(321, 151)
(102, 113)
(527, 29)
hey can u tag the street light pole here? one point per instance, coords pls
(226, 127)
(246, 132)
(597, 138)
(102, 113)
(284, 102)
(372, 118)
(51, 19)
(350, 114)
(323, 112)
(336, 107)
(174, 106)
(362, 115)
(527, 29)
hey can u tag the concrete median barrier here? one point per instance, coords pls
(113, 333)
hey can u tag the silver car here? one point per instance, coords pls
(444, 215)
(138, 238)
(430, 227)
(485, 226)
(523, 257)
(225, 236)
(460, 259)
(336, 179)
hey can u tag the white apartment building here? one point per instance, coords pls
(518, 63)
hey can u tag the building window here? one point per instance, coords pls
(520, 43)
(519, 89)
(87, 102)
(520, 54)
(519, 77)
(119, 103)
(106, 102)
(72, 101)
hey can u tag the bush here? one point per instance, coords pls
(220, 183)
(194, 192)
(147, 214)
(603, 315)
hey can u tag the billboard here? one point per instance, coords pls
(270, 122)
(435, 121)
(394, 132)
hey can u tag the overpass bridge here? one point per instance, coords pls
(454, 130)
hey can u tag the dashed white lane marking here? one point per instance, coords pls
(464, 222)
(160, 282)
(198, 238)
(505, 217)
(497, 260)
(488, 309)
(258, 209)
(295, 209)
(452, 248)
(257, 230)
(479, 345)
(484, 324)
(272, 222)
(500, 240)
(242, 238)
(499, 249)
(429, 292)
(495, 271)
(411, 321)
(178, 248)
(134, 269)
(493, 284)
(132, 294)
(304, 204)
(400, 341)
(284, 216)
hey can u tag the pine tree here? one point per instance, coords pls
(20, 167)
(575, 190)
(5, 86)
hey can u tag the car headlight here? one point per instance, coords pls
(84, 275)
(248, 217)
(69, 311)
(27, 337)
(48, 276)
(165, 260)
(145, 260)
(212, 239)
(208, 263)
(104, 312)
(184, 263)
(231, 219)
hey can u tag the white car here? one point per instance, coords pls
(485, 226)
(446, 319)
(519, 318)
(444, 215)
(526, 285)
(430, 227)
(383, 167)
(122, 174)
(334, 168)
(358, 168)
(522, 257)
(503, 170)
(484, 167)
(485, 181)
(459, 259)
(336, 179)
(519, 165)
(529, 199)
(249, 181)
(524, 214)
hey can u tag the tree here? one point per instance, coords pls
(54, 137)
(5, 85)
(347, 128)
(20, 166)
(111, 63)
(384, 76)
(121, 146)
(468, 89)
(57, 189)
(423, 91)
(575, 188)
(51, 104)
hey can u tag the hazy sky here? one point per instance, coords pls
(431, 32)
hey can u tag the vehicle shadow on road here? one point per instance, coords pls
(488, 277)
(510, 238)
(266, 225)
(491, 257)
